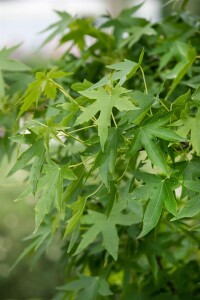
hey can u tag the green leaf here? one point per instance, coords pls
(154, 152)
(78, 209)
(164, 133)
(88, 287)
(125, 70)
(52, 190)
(73, 189)
(26, 156)
(106, 160)
(105, 101)
(36, 169)
(43, 83)
(58, 27)
(9, 64)
(153, 210)
(147, 135)
(107, 227)
(47, 198)
(191, 208)
(135, 145)
(111, 198)
(196, 96)
(158, 191)
(190, 125)
(40, 241)
(193, 185)
(144, 102)
(187, 56)
(170, 201)
(136, 32)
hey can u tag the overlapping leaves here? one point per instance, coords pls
(106, 99)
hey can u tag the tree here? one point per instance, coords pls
(113, 154)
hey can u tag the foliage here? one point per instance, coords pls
(113, 155)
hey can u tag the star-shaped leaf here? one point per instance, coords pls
(106, 99)
(107, 227)
(44, 83)
(146, 136)
(157, 191)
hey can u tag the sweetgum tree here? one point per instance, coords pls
(112, 151)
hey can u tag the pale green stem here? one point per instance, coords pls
(144, 80)
(95, 191)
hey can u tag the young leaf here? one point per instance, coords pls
(125, 70)
(105, 101)
(43, 83)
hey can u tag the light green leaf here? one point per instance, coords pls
(191, 125)
(106, 99)
(144, 102)
(77, 208)
(164, 133)
(47, 198)
(193, 185)
(9, 64)
(126, 69)
(26, 156)
(191, 208)
(36, 169)
(58, 27)
(196, 96)
(43, 83)
(187, 56)
(111, 240)
(136, 32)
